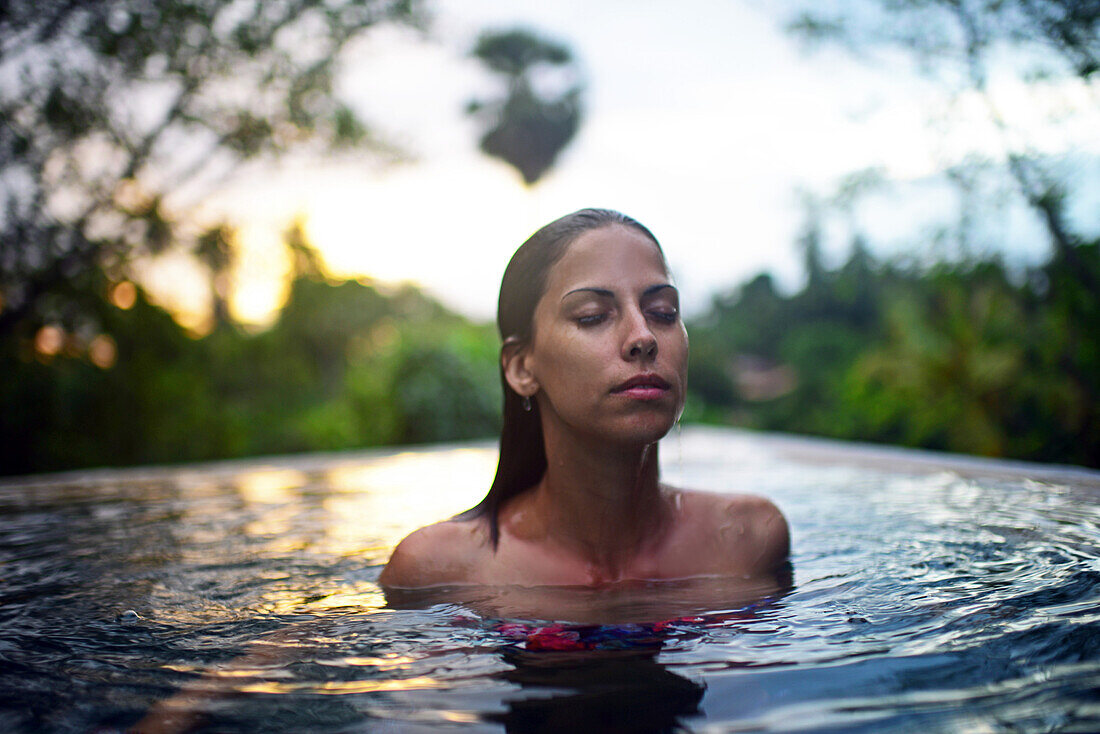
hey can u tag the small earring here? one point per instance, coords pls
(527, 403)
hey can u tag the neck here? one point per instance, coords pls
(603, 503)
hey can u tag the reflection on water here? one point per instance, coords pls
(621, 692)
(928, 593)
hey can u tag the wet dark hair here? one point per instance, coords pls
(522, 459)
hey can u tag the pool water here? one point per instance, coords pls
(927, 593)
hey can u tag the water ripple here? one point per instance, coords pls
(934, 598)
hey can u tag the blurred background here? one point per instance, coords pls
(233, 227)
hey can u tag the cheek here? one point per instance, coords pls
(677, 349)
(570, 361)
(580, 357)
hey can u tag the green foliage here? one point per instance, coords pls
(966, 46)
(944, 374)
(347, 365)
(108, 108)
(957, 357)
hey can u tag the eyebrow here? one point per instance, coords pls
(605, 293)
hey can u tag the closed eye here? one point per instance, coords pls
(591, 320)
(667, 316)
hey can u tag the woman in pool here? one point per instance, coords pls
(594, 366)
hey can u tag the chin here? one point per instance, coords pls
(646, 429)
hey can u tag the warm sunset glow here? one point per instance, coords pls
(49, 340)
(176, 282)
(716, 173)
(401, 492)
(123, 295)
(339, 687)
(103, 352)
(388, 661)
(420, 224)
(270, 485)
(363, 597)
(261, 274)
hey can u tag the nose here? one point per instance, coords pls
(640, 343)
(648, 348)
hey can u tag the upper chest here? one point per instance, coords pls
(698, 548)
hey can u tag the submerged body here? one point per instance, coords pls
(598, 357)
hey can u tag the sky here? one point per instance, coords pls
(704, 120)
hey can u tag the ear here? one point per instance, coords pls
(515, 360)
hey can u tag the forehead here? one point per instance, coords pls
(608, 256)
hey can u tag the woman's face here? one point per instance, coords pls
(609, 353)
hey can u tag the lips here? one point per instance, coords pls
(643, 387)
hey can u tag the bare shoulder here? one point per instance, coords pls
(750, 529)
(444, 553)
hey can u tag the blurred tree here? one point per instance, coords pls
(540, 111)
(944, 376)
(955, 355)
(966, 32)
(347, 365)
(1061, 417)
(972, 360)
(305, 260)
(215, 250)
(966, 44)
(809, 242)
(112, 107)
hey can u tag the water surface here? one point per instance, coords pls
(928, 593)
